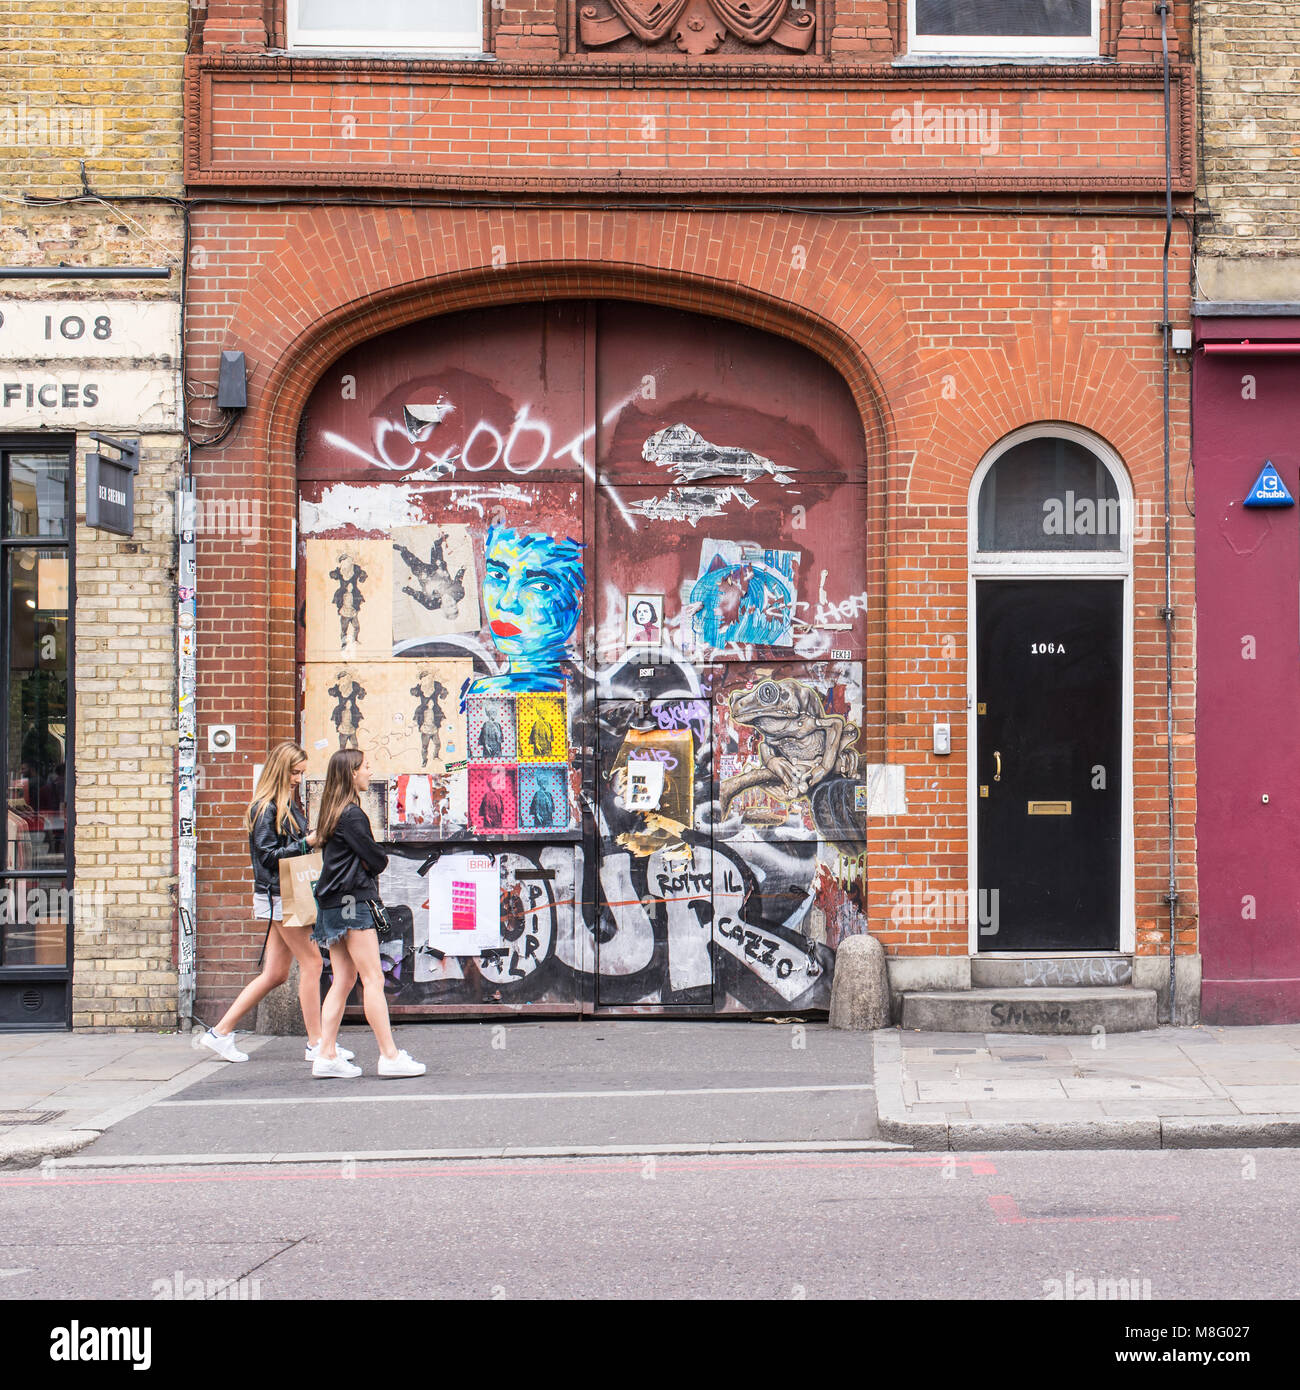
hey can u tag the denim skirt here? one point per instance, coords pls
(334, 923)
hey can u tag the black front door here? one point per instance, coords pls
(1048, 712)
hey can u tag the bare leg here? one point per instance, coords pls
(331, 1013)
(275, 971)
(364, 949)
(307, 954)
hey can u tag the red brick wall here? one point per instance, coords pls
(951, 330)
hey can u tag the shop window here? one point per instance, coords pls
(404, 26)
(1050, 494)
(35, 873)
(1049, 28)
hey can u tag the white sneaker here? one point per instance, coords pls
(324, 1066)
(223, 1046)
(310, 1055)
(401, 1065)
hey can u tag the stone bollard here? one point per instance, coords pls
(860, 991)
(280, 1012)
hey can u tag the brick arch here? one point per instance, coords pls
(1037, 378)
(297, 316)
(302, 318)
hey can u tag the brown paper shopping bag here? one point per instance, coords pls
(297, 879)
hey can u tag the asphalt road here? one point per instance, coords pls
(1177, 1224)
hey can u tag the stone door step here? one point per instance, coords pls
(1034, 1009)
(1051, 971)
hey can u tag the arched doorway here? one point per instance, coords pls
(1051, 553)
(588, 582)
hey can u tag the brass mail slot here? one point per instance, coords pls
(1050, 808)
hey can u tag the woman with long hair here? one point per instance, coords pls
(277, 829)
(345, 925)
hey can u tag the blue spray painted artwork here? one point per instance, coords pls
(744, 594)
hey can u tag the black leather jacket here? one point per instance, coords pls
(267, 846)
(351, 862)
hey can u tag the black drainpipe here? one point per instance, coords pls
(1167, 612)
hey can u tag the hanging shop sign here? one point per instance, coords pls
(110, 486)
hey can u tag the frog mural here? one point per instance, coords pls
(800, 745)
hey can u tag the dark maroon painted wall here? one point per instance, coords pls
(1248, 701)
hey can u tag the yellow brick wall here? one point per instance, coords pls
(100, 82)
(1250, 137)
(125, 683)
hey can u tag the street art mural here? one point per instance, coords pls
(602, 636)
(532, 595)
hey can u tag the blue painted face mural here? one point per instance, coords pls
(532, 597)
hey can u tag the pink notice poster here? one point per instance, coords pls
(465, 905)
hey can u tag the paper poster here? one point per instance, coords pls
(744, 594)
(541, 734)
(464, 905)
(493, 798)
(374, 802)
(543, 796)
(435, 586)
(645, 620)
(404, 714)
(645, 784)
(435, 805)
(349, 608)
(491, 728)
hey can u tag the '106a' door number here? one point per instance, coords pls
(1047, 649)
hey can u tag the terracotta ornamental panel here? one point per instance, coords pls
(454, 125)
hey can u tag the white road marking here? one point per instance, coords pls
(437, 1096)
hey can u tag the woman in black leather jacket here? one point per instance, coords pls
(277, 829)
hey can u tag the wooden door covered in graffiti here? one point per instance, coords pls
(588, 583)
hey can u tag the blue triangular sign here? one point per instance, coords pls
(1269, 490)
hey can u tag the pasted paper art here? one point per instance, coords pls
(349, 591)
(435, 588)
(403, 714)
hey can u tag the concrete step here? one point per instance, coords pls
(1048, 971)
(1034, 1009)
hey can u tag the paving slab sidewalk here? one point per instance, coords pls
(61, 1091)
(1198, 1087)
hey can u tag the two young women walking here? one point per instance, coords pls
(345, 926)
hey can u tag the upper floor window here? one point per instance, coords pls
(991, 28)
(447, 26)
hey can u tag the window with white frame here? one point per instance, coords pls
(1050, 28)
(388, 26)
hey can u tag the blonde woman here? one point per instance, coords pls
(277, 829)
(349, 882)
